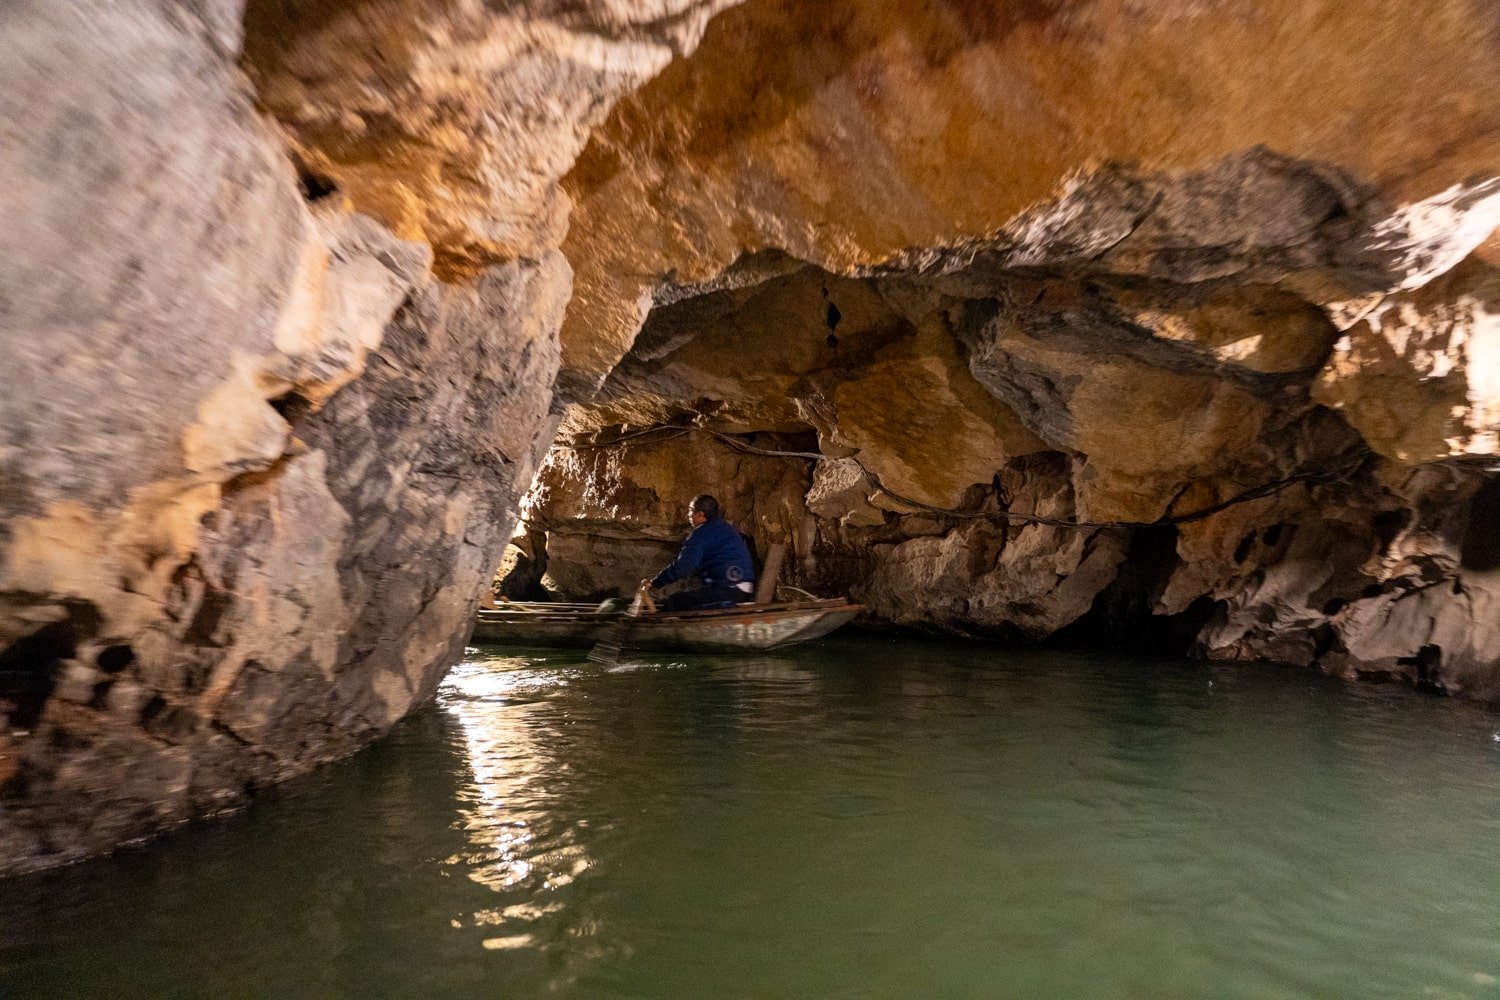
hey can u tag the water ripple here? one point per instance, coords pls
(860, 818)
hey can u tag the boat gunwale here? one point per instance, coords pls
(731, 630)
(743, 611)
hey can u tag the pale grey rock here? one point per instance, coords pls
(841, 492)
(135, 260)
(329, 593)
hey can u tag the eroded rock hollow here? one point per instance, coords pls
(1085, 321)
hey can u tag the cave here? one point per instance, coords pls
(1003, 329)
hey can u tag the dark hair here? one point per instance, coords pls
(705, 505)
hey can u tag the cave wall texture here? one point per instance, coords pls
(1068, 318)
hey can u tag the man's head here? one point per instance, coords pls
(703, 508)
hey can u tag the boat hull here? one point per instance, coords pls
(728, 630)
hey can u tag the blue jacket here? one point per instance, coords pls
(714, 551)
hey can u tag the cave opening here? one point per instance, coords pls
(314, 186)
(1480, 549)
(973, 308)
(29, 666)
(928, 441)
(1125, 615)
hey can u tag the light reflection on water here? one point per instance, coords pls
(1098, 749)
(508, 798)
(859, 818)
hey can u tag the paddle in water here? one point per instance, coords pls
(607, 650)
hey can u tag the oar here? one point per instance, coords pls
(607, 650)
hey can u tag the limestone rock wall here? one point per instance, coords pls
(1161, 251)
(1162, 430)
(271, 399)
(450, 121)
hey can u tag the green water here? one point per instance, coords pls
(862, 818)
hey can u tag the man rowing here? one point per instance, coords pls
(716, 554)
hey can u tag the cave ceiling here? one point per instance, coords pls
(1120, 221)
(847, 134)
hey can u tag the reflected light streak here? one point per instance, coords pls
(516, 843)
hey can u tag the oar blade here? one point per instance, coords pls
(606, 651)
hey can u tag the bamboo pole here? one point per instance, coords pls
(765, 587)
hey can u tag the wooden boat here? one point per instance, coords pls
(720, 630)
